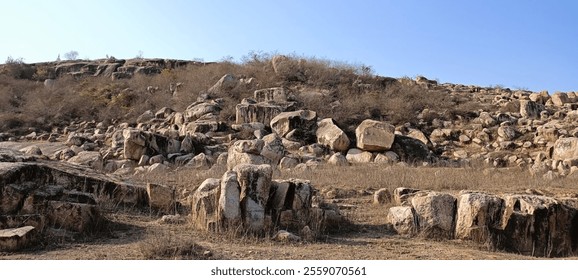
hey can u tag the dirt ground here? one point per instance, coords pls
(137, 234)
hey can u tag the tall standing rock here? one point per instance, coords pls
(478, 217)
(205, 204)
(332, 136)
(255, 182)
(435, 214)
(375, 136)
(229, 201)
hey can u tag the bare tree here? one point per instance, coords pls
(71, 55)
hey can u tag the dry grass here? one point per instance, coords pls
(25, 102)
(138, 235)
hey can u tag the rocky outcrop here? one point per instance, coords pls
(248, 197)
(533, 225)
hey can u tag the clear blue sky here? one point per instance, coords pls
(517, 44)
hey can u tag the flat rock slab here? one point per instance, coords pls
(73, 177)
(15, 239)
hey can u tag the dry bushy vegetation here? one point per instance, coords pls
(347, 93)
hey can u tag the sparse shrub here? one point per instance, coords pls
(16, 68)
(168, 246)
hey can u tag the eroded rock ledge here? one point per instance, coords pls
(527, 224)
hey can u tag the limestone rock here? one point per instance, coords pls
(229, 211)
(255, 183)
(260, 112)
(200, 161)
(478, 217)
(92, 159)
(161, 197)
(359, 156)
(304, 121)
(245, 152)
(374, 136)
(565, 149)
(288, 162)
(435, 214)
(332, 136)
(277, 94)
(530, 109)
(290, 202)
(411, 150)
(559, 99)
(15, 239)
(338, 159)
(273, 150)
(403, 219)
(134, 144)
(382, 196)
(77, 217)
(32, 150)
(205, 205)
(224, 84)
(538, 225)
(401, 196)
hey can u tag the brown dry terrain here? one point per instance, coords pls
(89, 128)
(134, 234)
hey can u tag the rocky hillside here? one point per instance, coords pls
(142, 116)
(316, 109)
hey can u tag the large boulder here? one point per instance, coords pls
(224, 84)
(205, 205)
(565, 149)
(358, 156)
(245, 152)
(92, 159)
(411, 150)
(229, 211)
(161, 197)
(259, 112)
(538, 226)
(197, 110)
(255, 183)
(374, 136)
(332, 136)
(138, 143)
(403, 220)
(304, 121)
(478, 217)
(530, 109)
(273, 150)
(134, 144)
(73, 216)
(15, 239)
(435, 214)
(559, 99)
(290, 202)
(277, 94)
